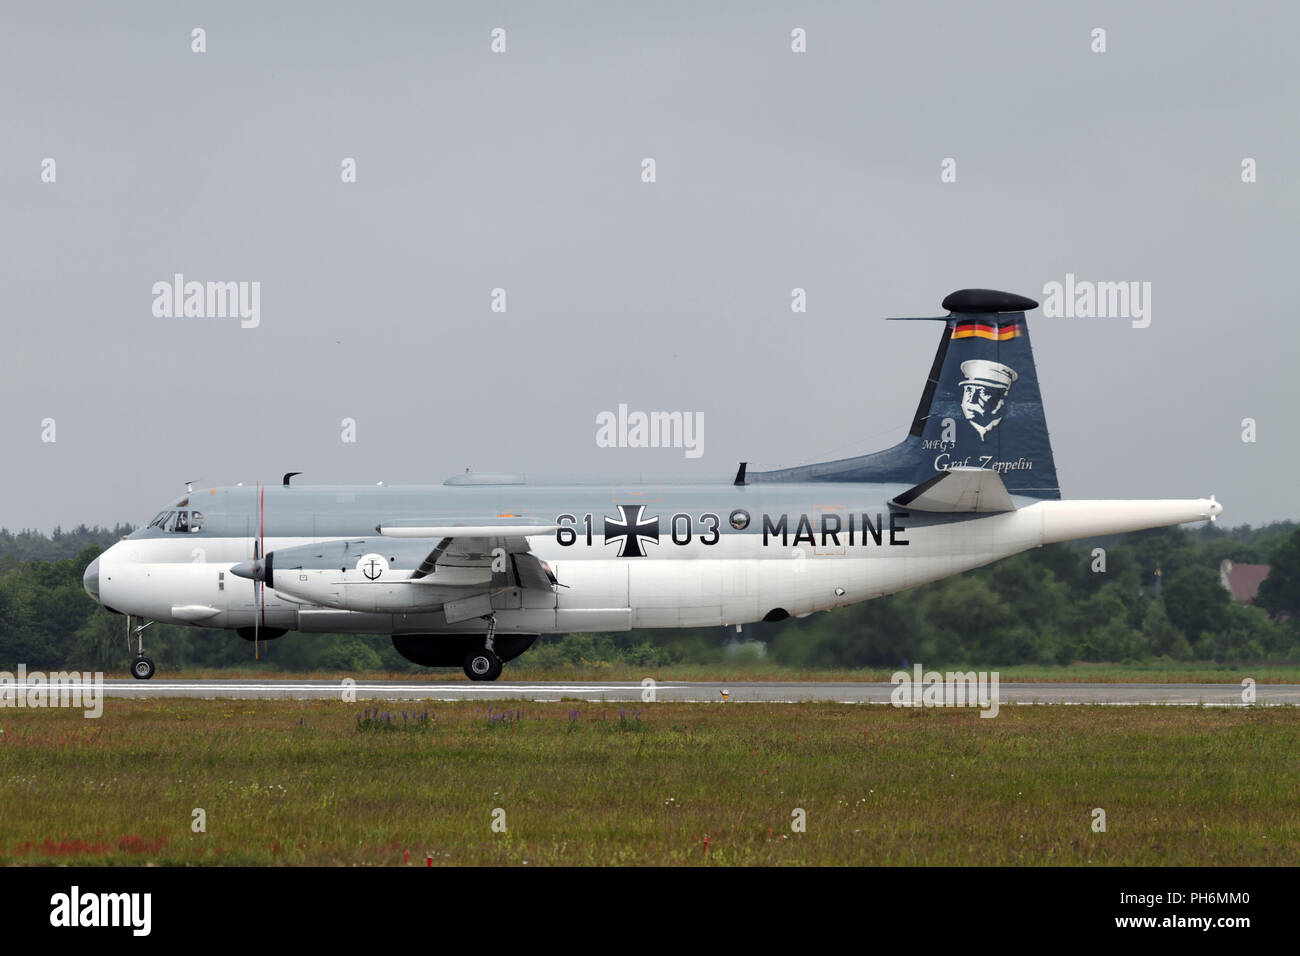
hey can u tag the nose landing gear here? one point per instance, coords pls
(142, 667)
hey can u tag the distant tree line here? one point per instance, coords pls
(34, 546)
(1158, 598)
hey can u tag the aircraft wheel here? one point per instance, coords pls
(142, 668)
(482, 664)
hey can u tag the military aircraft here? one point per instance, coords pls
(471, 571)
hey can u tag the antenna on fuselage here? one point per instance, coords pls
(189, 487)
(288, 475)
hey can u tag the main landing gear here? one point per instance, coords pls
(142, 667)
(483, 663)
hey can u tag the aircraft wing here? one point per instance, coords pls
(465, 530)
(959, 490)
(463, 564)
(473, 545)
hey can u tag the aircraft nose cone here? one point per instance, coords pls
(90, 580)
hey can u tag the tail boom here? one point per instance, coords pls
(1070, 520)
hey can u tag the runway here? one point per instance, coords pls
(1190, 695)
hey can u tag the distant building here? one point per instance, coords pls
(1242, 580)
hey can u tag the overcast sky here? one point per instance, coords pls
(522, 170)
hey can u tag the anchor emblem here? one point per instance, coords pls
(372, 566)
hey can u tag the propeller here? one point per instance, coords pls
(259, 583)
(257, 570)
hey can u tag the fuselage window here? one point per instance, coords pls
(196, 521)
(182, 525)
(160, 520)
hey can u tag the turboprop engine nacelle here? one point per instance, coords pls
(355, 590)
(364, 574)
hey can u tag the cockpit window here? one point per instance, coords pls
(178, 522)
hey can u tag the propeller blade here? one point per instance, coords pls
(259, 614)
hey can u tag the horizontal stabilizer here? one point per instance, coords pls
(959, 490)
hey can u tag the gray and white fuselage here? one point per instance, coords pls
(704, 555)
(973, 481)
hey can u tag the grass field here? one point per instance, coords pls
(306, 783)
(521, 669)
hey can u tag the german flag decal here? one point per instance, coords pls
(982, 330)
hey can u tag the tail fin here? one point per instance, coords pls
(981, 407)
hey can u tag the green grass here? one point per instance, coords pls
(521, 669)
(305, 783)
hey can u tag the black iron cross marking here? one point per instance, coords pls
(631, 529)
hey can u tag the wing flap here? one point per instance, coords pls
(532, 573)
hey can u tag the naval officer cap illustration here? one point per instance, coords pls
(988, 374)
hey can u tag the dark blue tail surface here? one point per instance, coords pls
(981, 407)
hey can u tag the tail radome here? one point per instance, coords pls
(981, 407)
